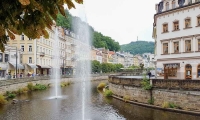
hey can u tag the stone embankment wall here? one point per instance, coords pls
(188, 99)
(15, 84)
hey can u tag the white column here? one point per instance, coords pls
(182, 45)
(194, 44)
(170, 46)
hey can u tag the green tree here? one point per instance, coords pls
(118, 67)
(29, 16)
(98, 39)
(96, 66)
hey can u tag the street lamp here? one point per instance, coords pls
(16, 56)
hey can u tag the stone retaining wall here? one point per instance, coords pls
(189, 100)
(13, 85)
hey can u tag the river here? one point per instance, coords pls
(37, 106)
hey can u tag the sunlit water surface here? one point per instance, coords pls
(69, 107)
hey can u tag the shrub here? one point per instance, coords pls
(165, 105)
(25, 89)
(2, 100)
(146, 83)
(151, 101)
(126, 98)
(170, 105)
(101, 85)
(108, 93)
(30, 86)
(20, 91)
(10, 94)
(39, 87)
(63, 84)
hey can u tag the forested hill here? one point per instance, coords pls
(99, 40)
(138, 47)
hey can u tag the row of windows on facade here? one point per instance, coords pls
(30, 50)
(172, 72)
(176, 24)
(47, 42)
(173, 3)
(177, 48)
(47, 62)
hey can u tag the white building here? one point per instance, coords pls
(176, 31)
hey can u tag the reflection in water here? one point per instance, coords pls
(70, 108)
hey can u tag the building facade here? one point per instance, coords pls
(176, 30)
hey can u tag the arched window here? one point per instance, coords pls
(167, 6)
(188, 71)
(198, 71)
(173, 4)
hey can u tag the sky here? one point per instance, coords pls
(122, 20)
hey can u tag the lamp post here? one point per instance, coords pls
(16, 63)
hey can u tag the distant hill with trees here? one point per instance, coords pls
(138, 47)
(98, 39)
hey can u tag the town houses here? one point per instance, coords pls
(27, 57)
(177, 38)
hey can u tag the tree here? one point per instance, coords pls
(76, 25)
(29, 16)
(96, 66)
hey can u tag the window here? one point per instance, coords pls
(188, 71)
(30, 59)
(198, 71)
(30, 48)
(165, 48)
(187, 23)
(170, 71)
(198, 44)
(6, 57)
(40, 49)
(188, 46)
(176, 47)
(167, 6)
(173, 4)
(29, 39)
(198, 21)
(165, 28)
(22, 47)
(176, 25)
(37, 48)
(189, 2)
(22, 37)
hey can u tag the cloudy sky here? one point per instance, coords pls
(123, 20)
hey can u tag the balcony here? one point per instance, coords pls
(42, 54)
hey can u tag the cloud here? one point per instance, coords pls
(123, 20)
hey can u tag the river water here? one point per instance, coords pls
(37, 106)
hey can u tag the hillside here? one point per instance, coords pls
(99, 40)
(138, 47)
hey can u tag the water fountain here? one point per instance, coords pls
(83, 67)
(55, 73)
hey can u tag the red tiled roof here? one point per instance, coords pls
(111, 52)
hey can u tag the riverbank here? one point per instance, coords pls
(158, 107)
(15, 84)
(164, 95)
